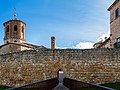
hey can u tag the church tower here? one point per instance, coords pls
(14, 37)
(14, 31)
(114, 23)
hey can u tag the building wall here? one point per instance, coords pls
(4, 49)
(13, 48)
(114, 24)
(93, 65)
(9, 48)
(106, 45)
(25, 48)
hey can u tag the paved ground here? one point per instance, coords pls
(60, 86)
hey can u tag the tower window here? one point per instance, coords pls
(117, 12)
(15, 28)
(7, 42)
(22, 29)
(7, 29)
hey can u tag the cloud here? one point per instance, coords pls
(83, 45)
(87, 45)
(102, 37)
(61, 47)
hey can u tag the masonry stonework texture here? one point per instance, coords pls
(114, 24)
(92, 65)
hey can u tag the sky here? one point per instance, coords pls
(74, 23)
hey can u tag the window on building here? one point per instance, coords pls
(15, 41)
(22, 29)
(7, 42)
(118, 39)
(15, 28)
(117, 12)
(7, 29)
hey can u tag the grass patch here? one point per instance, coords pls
(4, 87)
(91, 88)
(115, 86)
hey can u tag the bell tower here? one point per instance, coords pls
(14, 30)
(114, 23)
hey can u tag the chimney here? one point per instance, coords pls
(52, 42)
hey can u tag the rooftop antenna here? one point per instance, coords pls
(15, 13)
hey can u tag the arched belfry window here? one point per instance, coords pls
(15, 28)
(7, 28)
(22, 29)
(7, 42)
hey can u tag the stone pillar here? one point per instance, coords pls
(52, 42)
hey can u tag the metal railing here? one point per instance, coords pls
(76, 85)
(69, 83)
(45, 84)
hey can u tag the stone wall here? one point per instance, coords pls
(93, 65)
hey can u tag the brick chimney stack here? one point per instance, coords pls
(52, 42)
